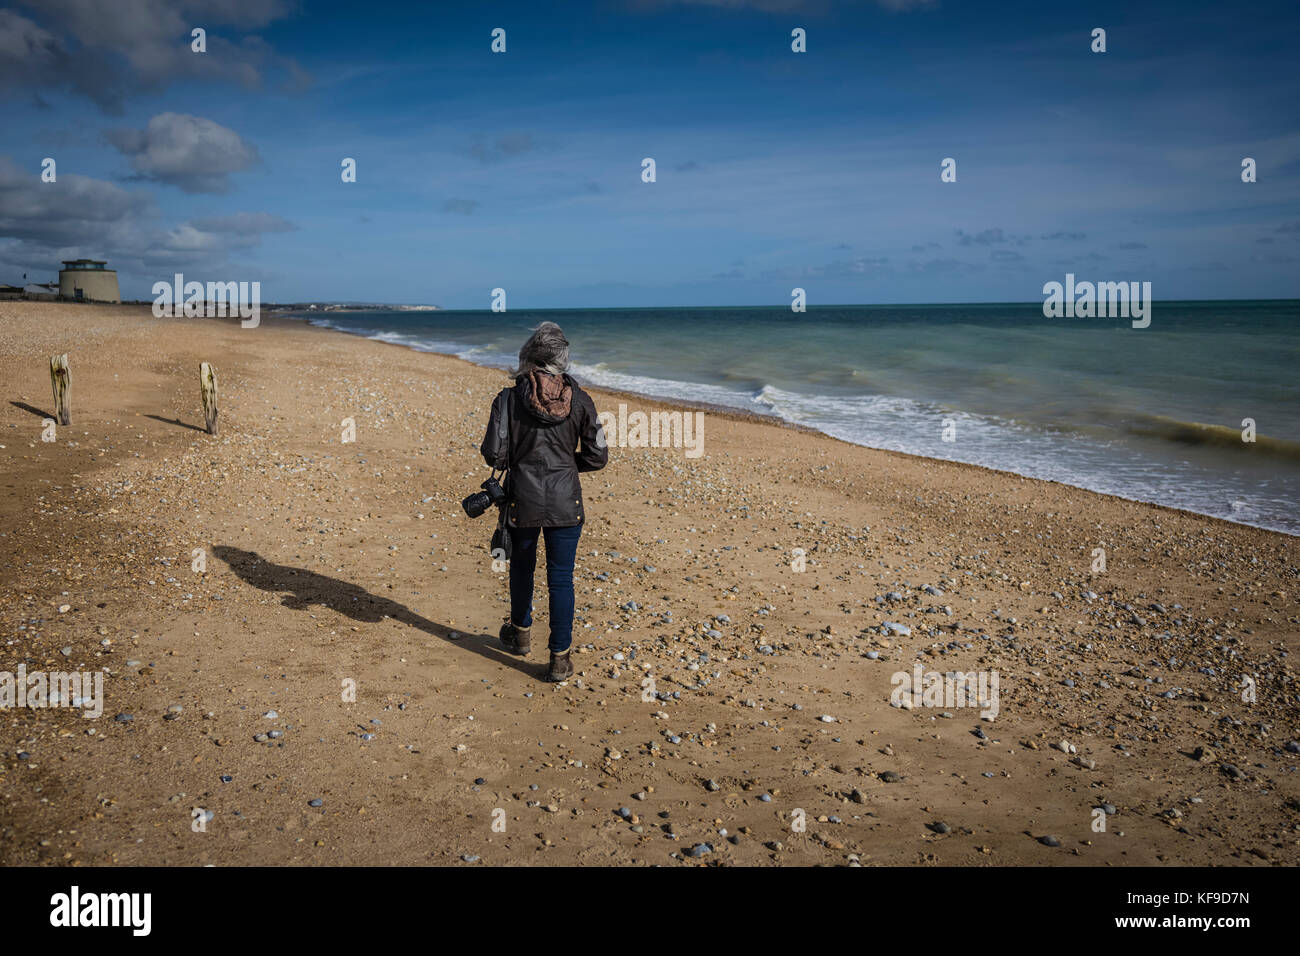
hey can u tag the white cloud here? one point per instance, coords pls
(190, 152)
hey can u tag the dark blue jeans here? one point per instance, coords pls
(561, 551)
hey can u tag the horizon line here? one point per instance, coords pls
(631, 308)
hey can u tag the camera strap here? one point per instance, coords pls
(503, 431)
(502, 544)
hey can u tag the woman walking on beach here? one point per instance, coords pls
(550, 435)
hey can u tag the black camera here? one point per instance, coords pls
(481, 501)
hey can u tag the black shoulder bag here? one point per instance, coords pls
(500, 546)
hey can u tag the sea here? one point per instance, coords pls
(1200, 410)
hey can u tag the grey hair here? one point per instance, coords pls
(547, 350)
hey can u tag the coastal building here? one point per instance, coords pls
(88, 280)
(42, 290)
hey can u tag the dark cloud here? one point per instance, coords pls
(840, 269)
(504, 147)
(76, 216)
(860, 266)
(780, 6)
(63, 211)
(190, 152)
(939, 267)
(513, 144)
(1072, 236)
(463, 207)
(59, 138)
(988, 237)
(108, 52)
(244, 222)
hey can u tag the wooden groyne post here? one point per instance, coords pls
(208, 384)
(60, 379)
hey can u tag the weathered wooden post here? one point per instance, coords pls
(208, 383)
(60, 378)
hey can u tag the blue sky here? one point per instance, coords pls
(775, 169)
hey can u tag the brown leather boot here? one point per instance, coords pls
(561, 668)
(517, 640)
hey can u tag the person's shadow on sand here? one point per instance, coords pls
(307, 588)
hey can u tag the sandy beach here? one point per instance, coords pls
(276, 569)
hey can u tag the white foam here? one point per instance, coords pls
(894, 423)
